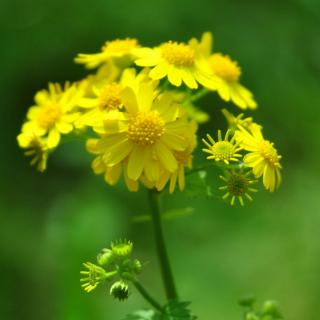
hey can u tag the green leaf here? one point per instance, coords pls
(196, 185)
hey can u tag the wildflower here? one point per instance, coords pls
(228, 72)
(147, 134)
(222, 150)
(180, 62)
(235, 121)
(119, 50)
(53, 113)
(37, 149)
(263, 158)
(238, 186)
(93, 276)
(120, 290)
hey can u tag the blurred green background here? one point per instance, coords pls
(52, 222)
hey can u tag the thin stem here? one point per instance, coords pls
(146, 295)
(201, 93)
(166, 272)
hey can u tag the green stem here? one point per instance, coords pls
(166, 272)
(146, 295)
(201, 93)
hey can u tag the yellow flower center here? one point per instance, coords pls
(120, 46)
(224, 67)
(178, 54)
(146, 128)
(223, 150)
(48, 116)
(110, 97)
(268, 152)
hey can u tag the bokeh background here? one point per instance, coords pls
(52, 222)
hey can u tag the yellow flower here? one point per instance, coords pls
(263, 158)
(180, 62)
(184, 160)
(147, 134)
(119, 50)
(37, 149)
(92, 277)
(238, 186)
(229, 72)
(222, 150)
(53, 113)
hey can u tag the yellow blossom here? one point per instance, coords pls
(180, 62)
(263, 158)
(222, 150)
(147, 134)
(229, 73)
(235, 121)
(119, 50)
(53, 114)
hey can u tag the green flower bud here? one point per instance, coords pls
(251, 316)
(122, 249)
(120, 290)
(105, 257)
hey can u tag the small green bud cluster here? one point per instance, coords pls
(116, 265)
(268, 311)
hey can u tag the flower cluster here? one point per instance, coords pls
(139, 107)
(114, 265)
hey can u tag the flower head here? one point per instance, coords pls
(235, 121)
(180, 62)
(122, 248)
(120, 290)
(263, 157)
(53, 114)
(119, 50)
(237, 186)
(222, 150)
(145, 135)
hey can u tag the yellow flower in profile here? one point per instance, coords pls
(229, 73)
(222, 150)
(36, 148)
(184, 160)
(263, 158)
(180, 62)
(111, 174)
(119, 50)
(237, 186)
(147, 134)
(53, 114)
(235, 121)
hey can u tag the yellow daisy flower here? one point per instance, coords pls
(237, 186)
(119, 50)
(180, 62)
(263, 158)
(53, 113)
(148, 134)
(229, 72)
(222, 150)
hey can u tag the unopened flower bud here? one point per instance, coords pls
(105, 257)
(120, 290)
(122, 249)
